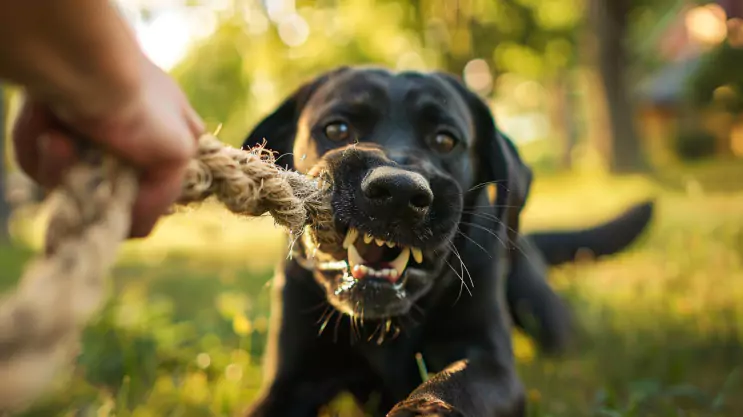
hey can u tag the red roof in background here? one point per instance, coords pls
(733, 8)
(675, 43)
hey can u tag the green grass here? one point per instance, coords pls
(660, 325)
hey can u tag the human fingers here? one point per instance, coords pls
(57, 154)
(43, 151)
(27, 129)
(158, 191)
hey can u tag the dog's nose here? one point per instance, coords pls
(396, 192)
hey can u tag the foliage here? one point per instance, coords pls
(695, 144)
(659, 336)
(184, 333)
(719, 79)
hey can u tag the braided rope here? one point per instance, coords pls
(41, 321)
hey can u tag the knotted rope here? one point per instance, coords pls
(42, 320)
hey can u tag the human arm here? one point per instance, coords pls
(86, 77)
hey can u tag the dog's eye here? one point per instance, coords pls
(338, 131)
(444, 142)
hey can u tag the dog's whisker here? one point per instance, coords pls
(485, 206)
(462, 284)
(371, 336)
(322, 316)
(325, 323)
(418, 308)
(489, 231)
(352, 335)
(511, 241)
(458, 276)
(337, 325)
(464, 267)
(397, 331)
(283, 155)
(486, 183)
(459, 232)
(315, 308)
(383, 333)
(356, 329)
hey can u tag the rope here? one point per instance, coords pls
(42, 320)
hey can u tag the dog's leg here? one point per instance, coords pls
(299, 371)
(293, 398)
(534, 306)
(469, 346)
(476, 371)
(480, 386)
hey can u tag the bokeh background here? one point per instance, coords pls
(611, 102)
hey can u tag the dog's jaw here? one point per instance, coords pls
(361, 291)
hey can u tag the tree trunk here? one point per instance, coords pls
(5, 209)
(563, 113)
(610, 26)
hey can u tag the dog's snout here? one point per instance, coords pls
(396, 192)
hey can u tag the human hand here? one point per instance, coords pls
(152, 127)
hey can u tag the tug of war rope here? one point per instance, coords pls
(42, 319)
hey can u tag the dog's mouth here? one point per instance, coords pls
(371, 257)
(368, 276)
(364, 257)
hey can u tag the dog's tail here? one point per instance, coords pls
(559, 247)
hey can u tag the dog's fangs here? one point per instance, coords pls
(371, 257)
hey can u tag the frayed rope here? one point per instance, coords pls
(42, 319)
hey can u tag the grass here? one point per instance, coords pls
(660, 325)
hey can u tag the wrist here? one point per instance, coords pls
(78, 56)
(109, 89)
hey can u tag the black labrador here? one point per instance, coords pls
(431, 265)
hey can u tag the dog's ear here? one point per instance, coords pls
(279, 128)
(498, 161)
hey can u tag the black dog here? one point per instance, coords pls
(430, 266)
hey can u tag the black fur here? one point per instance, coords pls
(332, 333)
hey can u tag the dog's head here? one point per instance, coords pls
(407, 152)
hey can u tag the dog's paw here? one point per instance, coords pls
(424, 408)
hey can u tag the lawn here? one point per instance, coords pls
(660, 325)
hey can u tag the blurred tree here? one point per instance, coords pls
(259, 54)
(533, 39)
(610, 22)
(212, 74)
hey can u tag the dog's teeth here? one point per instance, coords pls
(394, 275)
(351, 237)
(379, 242)
(354, 258)
(368, 238)
(417, 255)
(401, 261)
(390, 244)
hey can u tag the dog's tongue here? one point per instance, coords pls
(372, 254)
